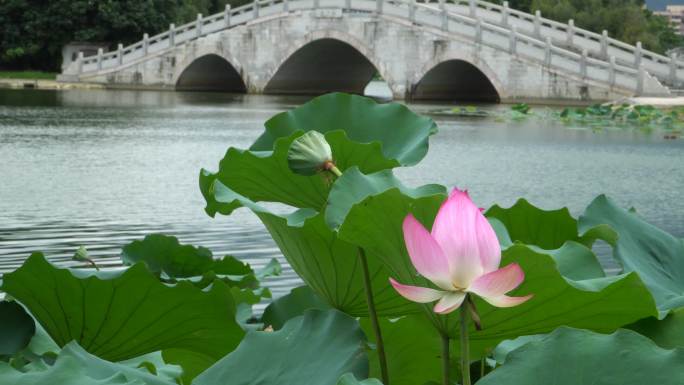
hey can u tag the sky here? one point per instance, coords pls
(659, 5)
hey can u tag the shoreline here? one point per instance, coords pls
(47, 84)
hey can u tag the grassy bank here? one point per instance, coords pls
(28, 75)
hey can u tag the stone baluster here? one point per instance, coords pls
(348, 4)
(611, 71)
(119, 53)
(445, 15)
(478, 30)
(637, 55)
(316, 4)
(547, 51)
(412, 11)
(537, 23)
(504, 14)
(255, 7)
(79, 65)
(583, 63)
(604, 44)
(226, 15)
(571, 31)
(472, 8)
(640, 81)
(172, 35)
(378, 6)
(99, 58)
(513, 40)
(673, 69)
(198, 26)
(146, 44)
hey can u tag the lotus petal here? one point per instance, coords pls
(417, 293)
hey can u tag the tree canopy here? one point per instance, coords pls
(625, 20)
(33, 32)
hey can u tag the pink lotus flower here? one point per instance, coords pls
(460, 256)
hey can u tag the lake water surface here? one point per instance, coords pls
(102, 168)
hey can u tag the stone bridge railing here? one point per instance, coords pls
(503, 34)
(669, 70)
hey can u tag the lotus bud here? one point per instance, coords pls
(82, 255)
(309, 154)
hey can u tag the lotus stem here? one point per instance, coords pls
(482, 367)
(465, 348)
(373, 315)
(330, 166)
(445, 359)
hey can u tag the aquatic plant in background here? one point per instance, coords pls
(596, 117)
(175, 314)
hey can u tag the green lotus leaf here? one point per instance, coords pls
(655, 255)
(668, 333)
(294, 304)
(580, 357)
(350, 379)
(360, 133)
(602, 304)
(316, 348)
(573, 259)
(76, 366)
(548, 229)
(124, 314)
(16, 328)
(354, 186)
(327, 264)
(331, 267)
(413, 349)
(164, 254)
(402, 134)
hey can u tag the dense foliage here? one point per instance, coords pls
(33, 32)
(176, 314)
(624, 20)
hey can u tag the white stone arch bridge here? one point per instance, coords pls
(459, 50)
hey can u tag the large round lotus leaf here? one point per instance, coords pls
(601, 304)
(580, 357)
(326, 263)
(16, 328)
(360, 133)
(548, 229)
(349, 379)
(667, 332)
(121, 315)
(316, 348)
(655, 255)
(75, 366)
(402, 133)
(294, 304)
(164, 254)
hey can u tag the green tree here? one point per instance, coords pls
(625, 20)
(33, 32)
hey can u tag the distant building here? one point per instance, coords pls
(71, 50)
(675, 14)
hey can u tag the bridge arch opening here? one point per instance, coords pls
(455, 80)
(321, 66)
(211, 73)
